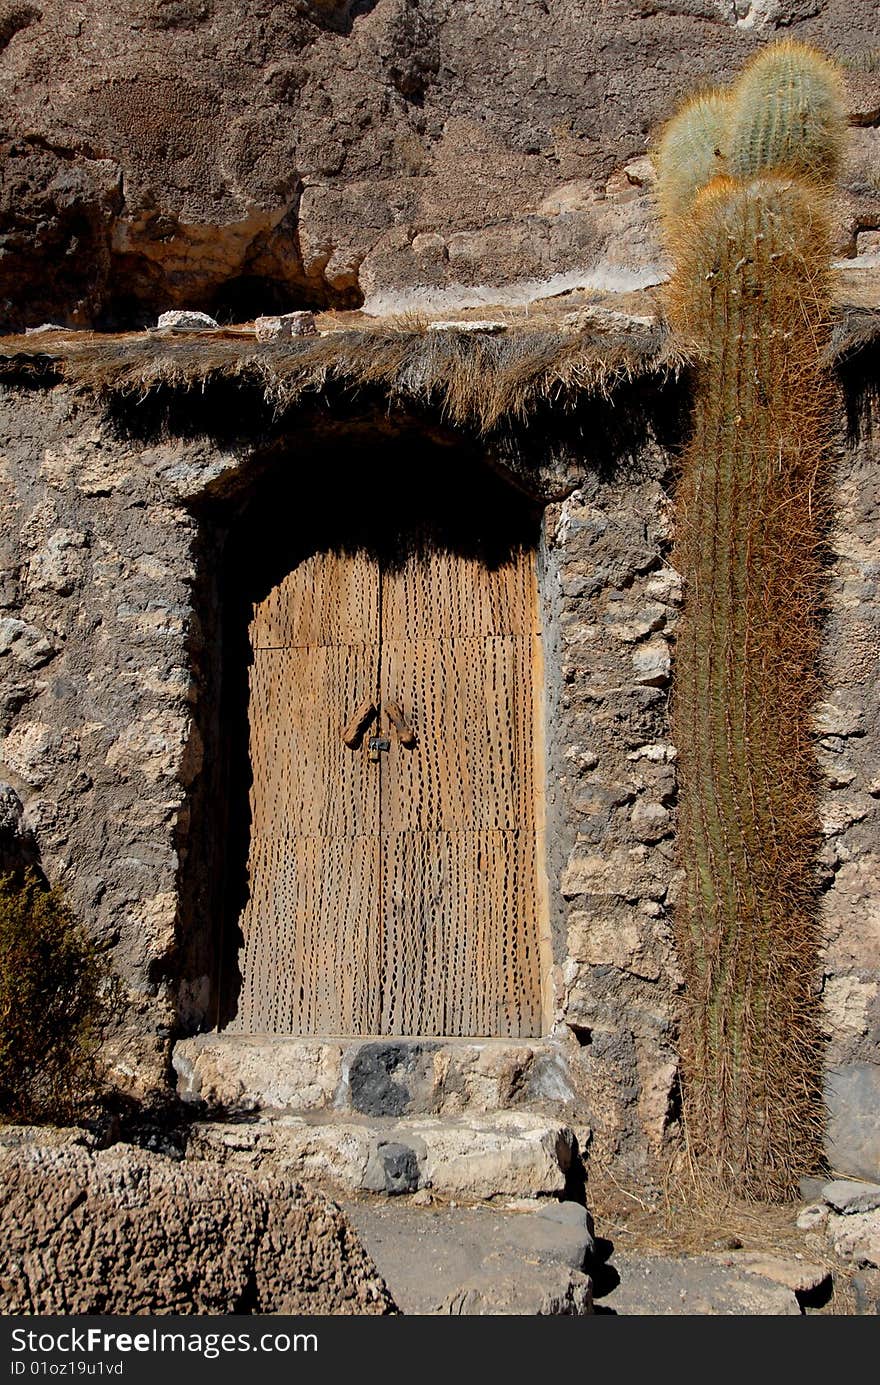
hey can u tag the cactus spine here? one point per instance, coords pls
(750, 288)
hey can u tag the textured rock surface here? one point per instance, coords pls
(370, 1077)
(852, 1095)
(505, 1154)
(253, 157)
(855, 1237)
(694, 1284)
(848, 744)
(126, 1231)
(848, 1217)
(798, 1275)
(16, 845)
(179, 320)
(612, 603)
(848, 1197)
(476, 1261)
(98, 738)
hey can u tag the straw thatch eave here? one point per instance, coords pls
(471, 378)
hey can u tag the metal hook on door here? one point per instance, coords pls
(377, 744)
(352, 732)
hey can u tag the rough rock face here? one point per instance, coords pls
(477, 1261)
(251, 157)
(848, 746)
(126, 1231)
(501, 1155)
(847, 1220)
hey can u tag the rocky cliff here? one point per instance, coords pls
(243, 155)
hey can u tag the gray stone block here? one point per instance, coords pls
(386, 1079)
(849, 1197)
(852, 1094)
(393, 1169)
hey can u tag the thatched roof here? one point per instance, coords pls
(472, 377)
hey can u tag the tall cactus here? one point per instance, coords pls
(751, 289)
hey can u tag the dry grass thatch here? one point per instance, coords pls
(856, 328)
(471, 378)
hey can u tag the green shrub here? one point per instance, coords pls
(50, 1004)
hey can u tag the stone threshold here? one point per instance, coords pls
(469, 1157)
(376, 1077)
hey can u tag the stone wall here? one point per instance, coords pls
(111, 663)
(848, 730)
(612, 790)
(98, 632)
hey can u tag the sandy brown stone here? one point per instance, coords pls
(126, 1231)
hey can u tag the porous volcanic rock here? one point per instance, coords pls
(247, 158)
(126, 1231)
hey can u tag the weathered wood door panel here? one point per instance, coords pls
(395, 895)
(310, 927)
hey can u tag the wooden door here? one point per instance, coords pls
(395, 894)
(310, 926)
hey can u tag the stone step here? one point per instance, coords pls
(693, 1285)
(474, 1158)
(371, 1077)
(479, 1261)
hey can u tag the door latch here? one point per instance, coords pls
(354, 730)
(377, 744)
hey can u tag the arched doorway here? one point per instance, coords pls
(394, 744)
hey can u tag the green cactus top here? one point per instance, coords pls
(784, 115)
(691, 152)
(787, 113)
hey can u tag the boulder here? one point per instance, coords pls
(856, 1238)
(285, 326)
(530, 1259)
(852, 1095)
(849, 1197)
(800, 1276)
(695, 1285)
(558, 1293)
(502, 1154)
(125, 1231)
